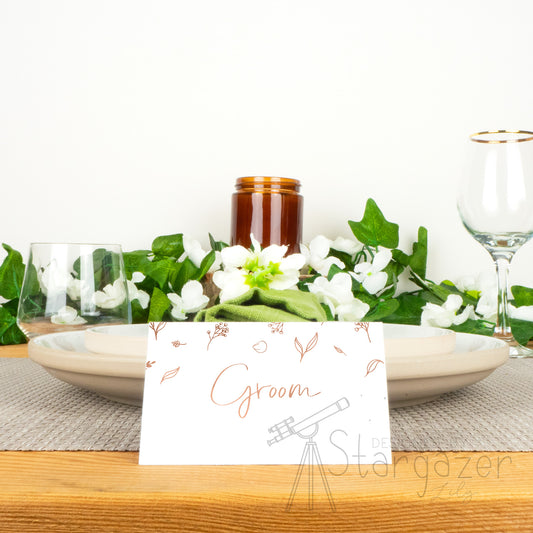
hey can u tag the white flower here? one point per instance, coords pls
(521, 313)
(67, 316)
(192, 300)
(486, 285)
(266, 269)
(111, 296)
(137, 277)
(370, 274)
(195, 252)
(445, 315)
(348, 246)
(337, 295)
(316, 255)
(135, 294)
(53, 278)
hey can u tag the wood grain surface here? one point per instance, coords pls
(109, 492)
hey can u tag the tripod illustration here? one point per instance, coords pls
(310, 455)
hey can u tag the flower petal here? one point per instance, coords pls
(234, 256)
(320, 246)
(373, 283)
(381, 260)
(272, 254)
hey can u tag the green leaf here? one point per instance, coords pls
(169, 245)
(409, 310)
(400, 257)
(418, 261)
(373, 229)
(382, 310)
(217, 246)
(333, 269)
(522, 330)
(138, 314)
(186, 273)
(477, 327)
(11, 274)
(205, 265)
(136, 261)
(9, 331)
(159, 304)
(522, 295)
(163, 271)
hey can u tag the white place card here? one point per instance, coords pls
(265, 393)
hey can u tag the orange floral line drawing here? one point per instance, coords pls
(260, 347)
(177, 344)
(310, 345)
(169, 374)
(372, 366)
(276, 327)
(150, 364)
(157, 327)
(221, 330)
(364, 326)
(340, 350)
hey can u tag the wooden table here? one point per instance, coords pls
(109, 491)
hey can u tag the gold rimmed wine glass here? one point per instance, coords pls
(495, 202)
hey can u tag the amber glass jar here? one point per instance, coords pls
(270, 208)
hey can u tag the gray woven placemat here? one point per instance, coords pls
(39, 412)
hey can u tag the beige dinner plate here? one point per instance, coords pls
(412, 378)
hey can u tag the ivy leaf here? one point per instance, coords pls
(136, 261)
(138, 314)
(162, 271)
(409, 310)
(169, 245)
(382, 310)
(205, 265)
(522, 295)
(333, 269)
(186, 272)
(217, 246)
(522, 330)
(11, 274)
(373, 229)
(418, 261)
(9, 331)
(477, 327)
(159, 303)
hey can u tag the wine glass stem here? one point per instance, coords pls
(503, 326)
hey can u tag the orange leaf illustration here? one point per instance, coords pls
(372, 366)
(340, 350)
(169, 374)
(310, 345)
(260, 347)
(157, 328)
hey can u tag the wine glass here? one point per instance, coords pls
(69, 287)
(495, 203)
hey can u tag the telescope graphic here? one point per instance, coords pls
(307, 429)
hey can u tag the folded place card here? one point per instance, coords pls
(265, 393)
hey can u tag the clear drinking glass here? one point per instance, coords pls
(495, 203)
(71, 287)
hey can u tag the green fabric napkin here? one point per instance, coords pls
(266, 305)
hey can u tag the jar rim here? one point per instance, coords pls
(270, 183)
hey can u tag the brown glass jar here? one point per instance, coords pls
(270, 208)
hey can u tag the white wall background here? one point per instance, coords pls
(124, 120)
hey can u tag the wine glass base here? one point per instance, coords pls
(517, 351)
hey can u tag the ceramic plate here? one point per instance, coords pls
(411, 379)
(400, 340)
